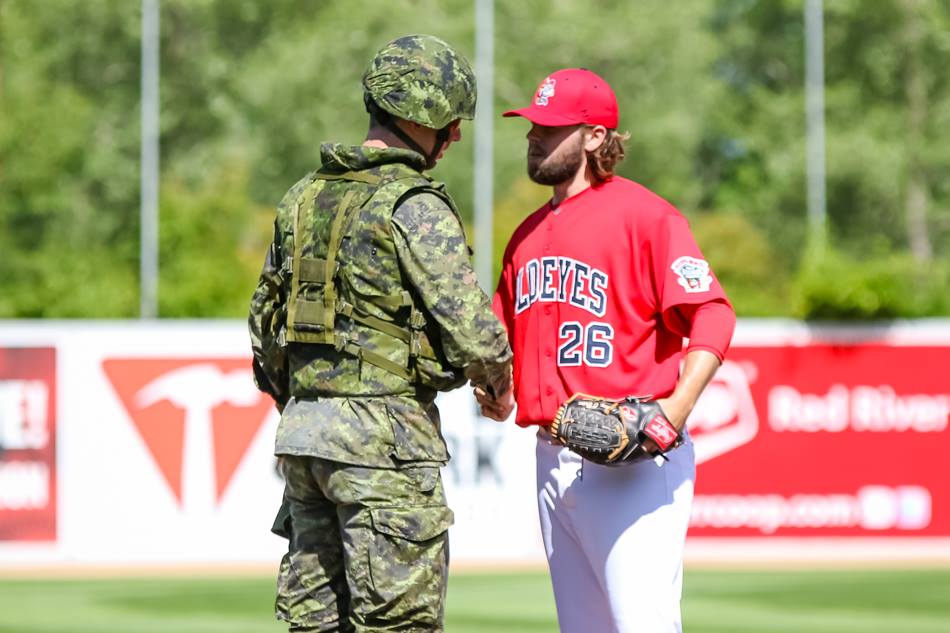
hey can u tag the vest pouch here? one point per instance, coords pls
(310, 319)
(309, 315)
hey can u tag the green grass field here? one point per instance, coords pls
(863, 601)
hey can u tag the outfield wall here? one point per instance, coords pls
(138, 443)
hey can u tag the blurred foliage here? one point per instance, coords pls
(745, 263)
(712, 92)
(224, 235)
(835, 285)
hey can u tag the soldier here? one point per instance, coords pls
(367, 306)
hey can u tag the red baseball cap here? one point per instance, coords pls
(572, 96)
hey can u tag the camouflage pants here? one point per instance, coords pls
(368, 547)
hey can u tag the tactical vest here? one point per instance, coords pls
(360, 305)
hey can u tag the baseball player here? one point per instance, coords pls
(598, 289)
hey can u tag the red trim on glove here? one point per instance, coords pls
(661, 431)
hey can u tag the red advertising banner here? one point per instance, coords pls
(825, 440)
(28, 444)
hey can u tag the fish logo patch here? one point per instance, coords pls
(693, 274)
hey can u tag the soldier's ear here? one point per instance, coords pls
(416, 130)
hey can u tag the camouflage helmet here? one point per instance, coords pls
(420, 78)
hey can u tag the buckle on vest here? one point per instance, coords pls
(344, 308)
(417, 320)
(340, 341)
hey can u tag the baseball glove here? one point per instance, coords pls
(612, 432)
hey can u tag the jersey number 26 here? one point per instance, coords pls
(585, 345)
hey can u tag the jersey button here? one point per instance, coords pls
(549, 391)
(548, 353)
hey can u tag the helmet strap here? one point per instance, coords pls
(440, 138)
(388, 121)
(401, 134)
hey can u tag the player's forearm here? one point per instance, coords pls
(711, 328)
(698, 369)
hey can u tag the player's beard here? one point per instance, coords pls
(557, 166)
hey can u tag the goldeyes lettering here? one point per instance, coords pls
(561, 280)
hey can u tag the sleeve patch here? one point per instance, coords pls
(693, 274)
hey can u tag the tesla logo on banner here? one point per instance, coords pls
(724, 417)
(197, 418)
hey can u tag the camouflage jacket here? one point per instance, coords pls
(339, 407)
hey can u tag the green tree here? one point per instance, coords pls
(712, 94)
(68, 158)
(886, 103)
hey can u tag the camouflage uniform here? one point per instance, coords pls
(367, 306)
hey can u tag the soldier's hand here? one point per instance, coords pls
(497, 409)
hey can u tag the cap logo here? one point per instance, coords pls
(545, 92)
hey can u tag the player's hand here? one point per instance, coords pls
(497, 409)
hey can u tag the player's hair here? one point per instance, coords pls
(603, 159)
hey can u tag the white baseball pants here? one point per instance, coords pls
(614, 539)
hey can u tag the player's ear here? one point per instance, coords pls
(594, 137)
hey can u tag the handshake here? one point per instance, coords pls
(497, 406)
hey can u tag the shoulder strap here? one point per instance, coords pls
(312, 321)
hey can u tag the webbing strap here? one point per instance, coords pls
(305, 315)
(336, 236)
(313, 269)
(374, 359)
(385, 327)
(418, 346)
(295, 276)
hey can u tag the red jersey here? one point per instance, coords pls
(589, 293)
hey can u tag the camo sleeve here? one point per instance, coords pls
(267, 317)
(265, 321)
(431, 245)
